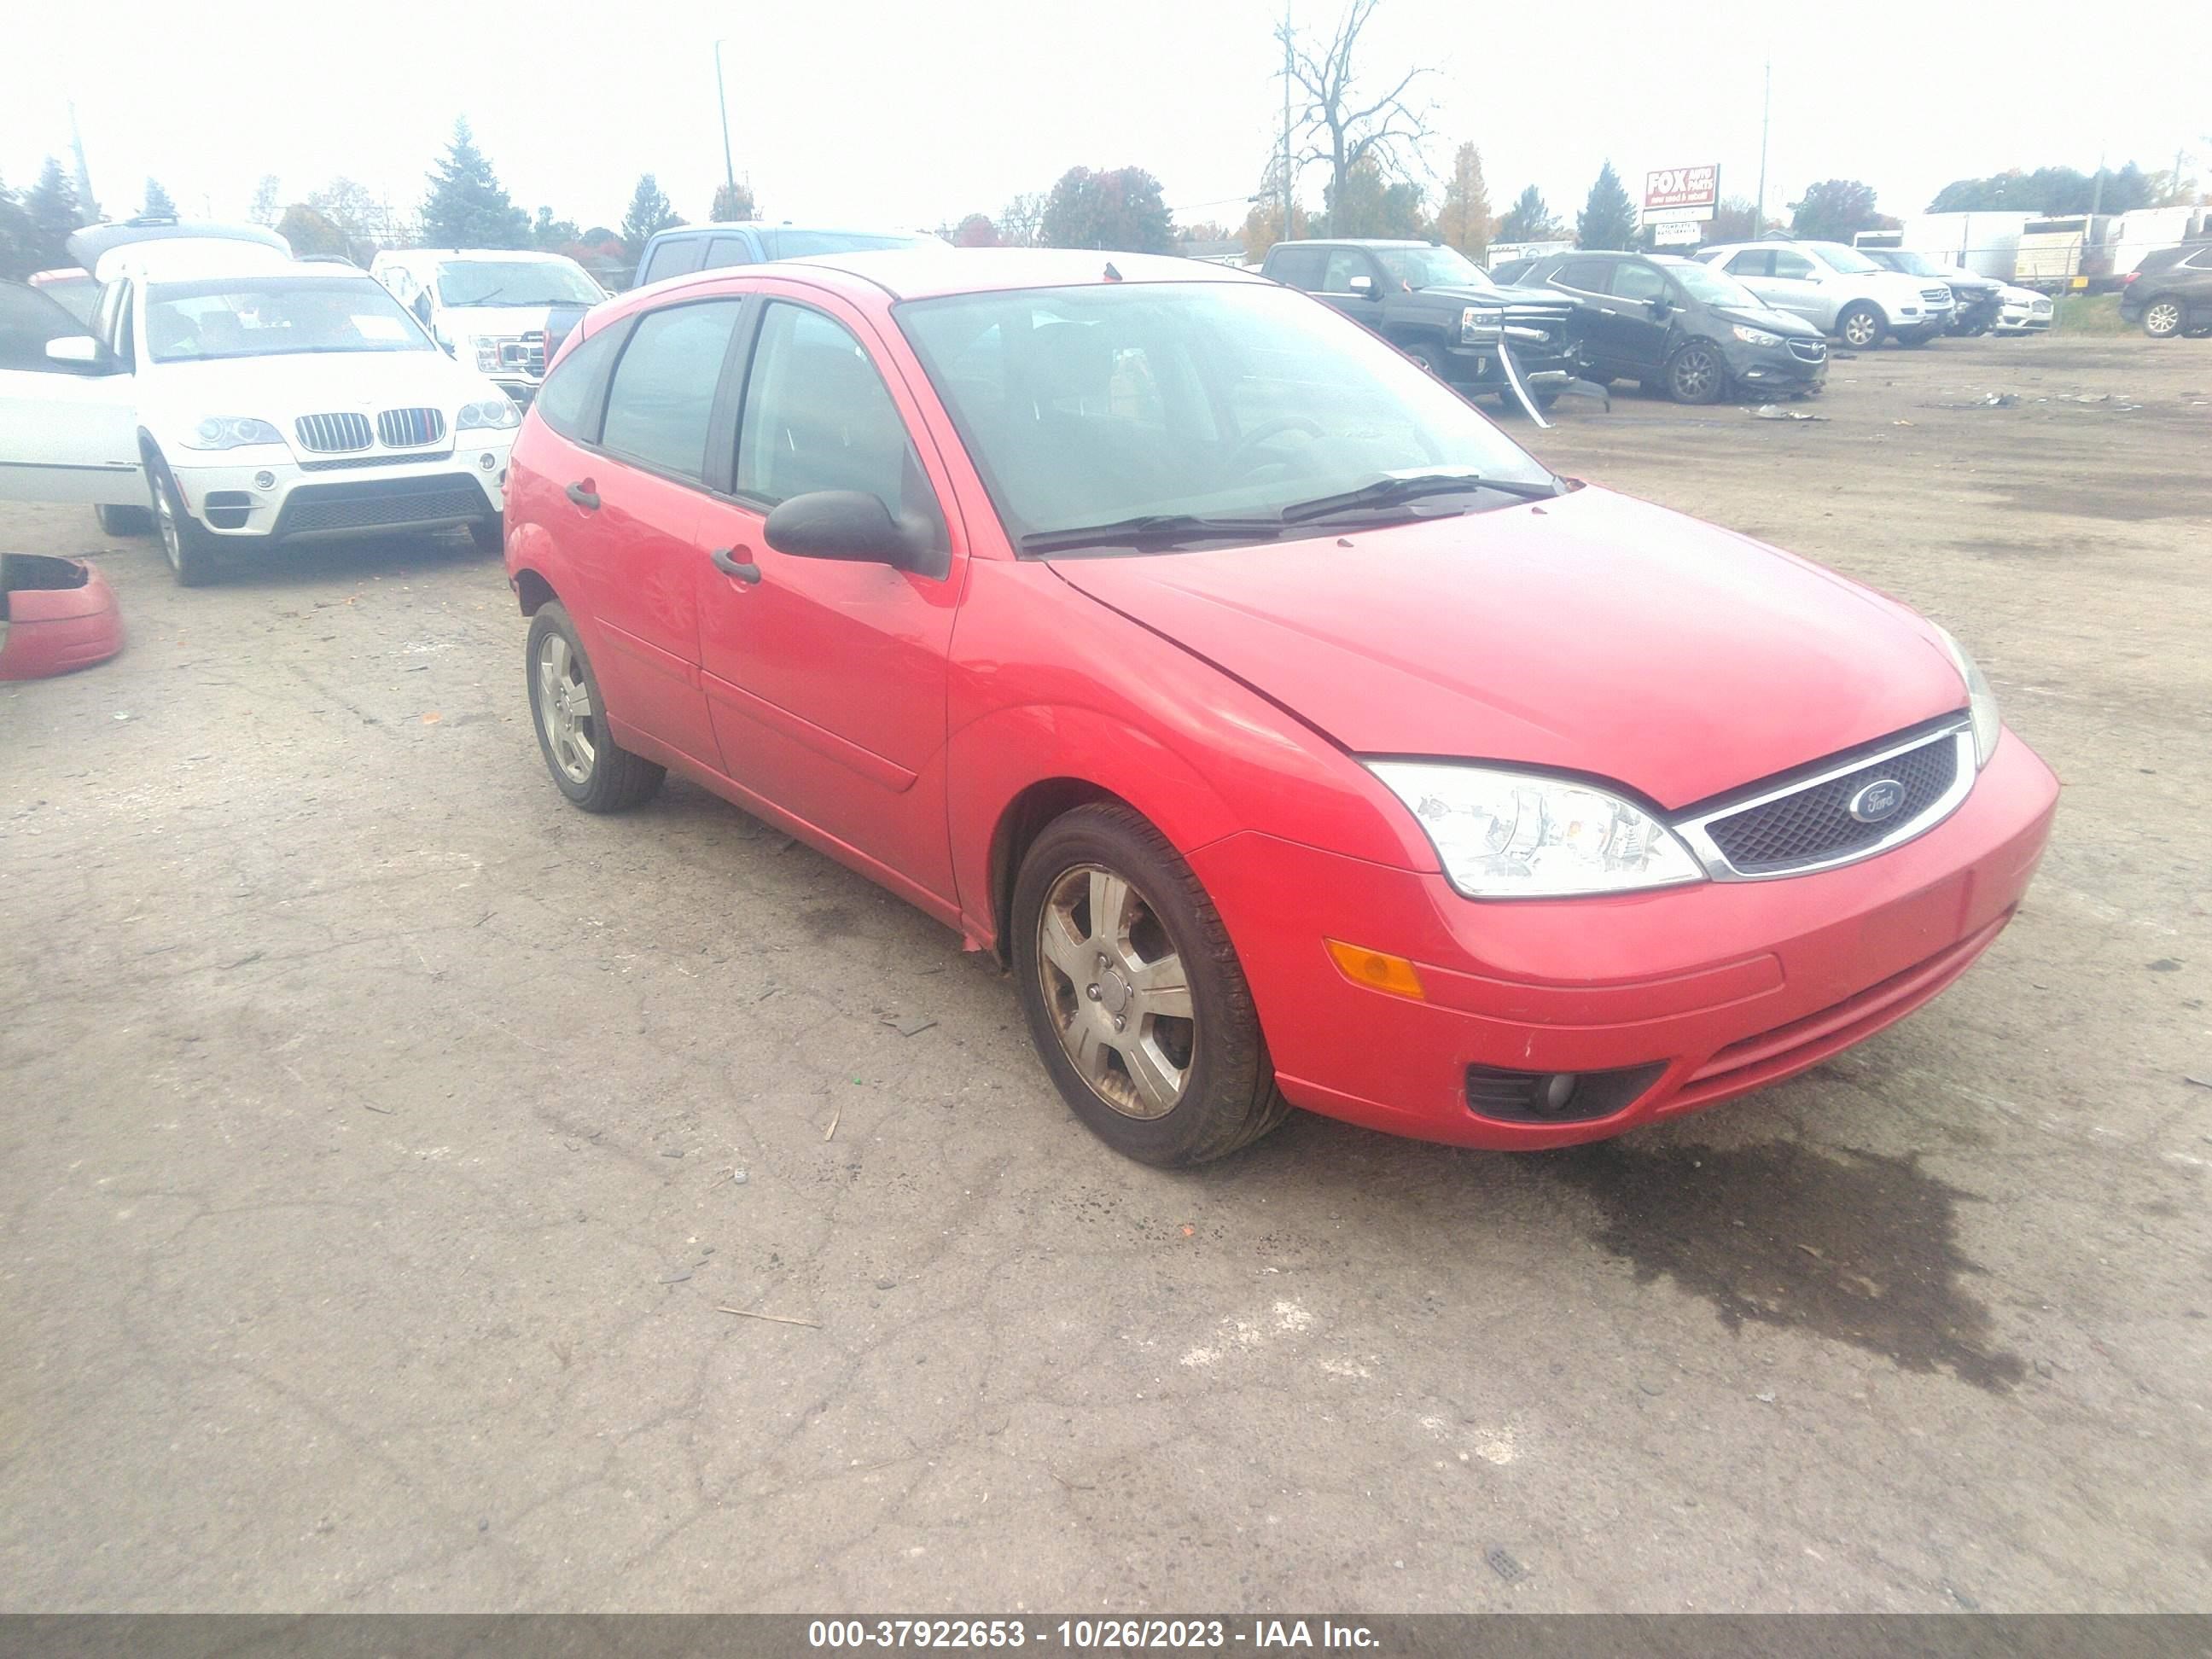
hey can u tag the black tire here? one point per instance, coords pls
(124, 521)
(1864, 320)
(1227, 1098)
(488, 534)
(189, 548)
(1426, 356)
(1916, 340)
(1697, 374)
(614, 779)
(2164, 317)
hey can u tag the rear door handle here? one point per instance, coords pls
(727, 561)
(584, 495)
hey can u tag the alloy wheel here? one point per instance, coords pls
(164, 514)
(564, 709)
(1694, 373)
(1116, 991)
(1859, 329)
(2163, 318)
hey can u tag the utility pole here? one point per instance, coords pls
(1765, 120)
(721, 98)
(85, 202)
(1288, 232)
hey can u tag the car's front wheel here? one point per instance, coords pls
(2162, 318)
(1696, 374)
(1133, 994)
(1861, 326)
(588, 766)
(189, 548)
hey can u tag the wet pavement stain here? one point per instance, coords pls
(1860, 1248)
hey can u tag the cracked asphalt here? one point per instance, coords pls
(381, 1142)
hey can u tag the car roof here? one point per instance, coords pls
(929, 273)
(1356, 242)
(201, 270)
(92, 243)
(432, 255)
(676, 232)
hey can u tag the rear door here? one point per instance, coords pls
(69, 432)
(1637, 339)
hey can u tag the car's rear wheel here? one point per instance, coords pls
(189, 548)
(2162, 318)
(124, 521)
(1861, 326)
(1696, 374)
(1133, 994)
(588, 766)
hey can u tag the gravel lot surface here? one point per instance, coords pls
(382, 1138)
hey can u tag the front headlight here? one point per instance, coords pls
(1758, 337)
(1520, 835)
(1479, 322)
(1981, 701)
(495, 413)
(232, 432)
(486, 350)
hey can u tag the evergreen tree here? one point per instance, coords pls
(550, 234)
(158, 203)
(649, 211)
(15, 238)
(54, 213)
(1608, 217)
(466, 206)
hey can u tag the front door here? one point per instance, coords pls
(69, 430)
(827, 680)
(1346, 267)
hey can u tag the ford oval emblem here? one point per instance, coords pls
(1878, 800)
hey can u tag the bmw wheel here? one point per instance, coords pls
(189, 548)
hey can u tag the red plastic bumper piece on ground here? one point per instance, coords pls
(61, 614)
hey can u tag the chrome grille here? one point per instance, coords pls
(1810, 825)
(410, 428)
(1936, 296)
(1809, 351)
(332, 434)
(524, 354)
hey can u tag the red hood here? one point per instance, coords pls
(1593, 634)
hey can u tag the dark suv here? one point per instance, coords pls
(1440, 308)
(2170, 292)
(1681, 327)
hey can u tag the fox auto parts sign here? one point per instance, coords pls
(1680, 193)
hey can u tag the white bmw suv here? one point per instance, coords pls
(247, 398)
(1838, 289)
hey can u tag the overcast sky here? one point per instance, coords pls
(853, 112)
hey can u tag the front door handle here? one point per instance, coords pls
(727, 561)
(584, 495)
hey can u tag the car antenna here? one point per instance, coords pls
(1112, 275)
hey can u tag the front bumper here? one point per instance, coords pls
(333, 495)
(1776, 366)
(1477, 367)
(520, 389)
(2023, 319)
(1725, 987)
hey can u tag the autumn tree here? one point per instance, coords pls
(1463, 222)
(549, 235)
(467, 207)
(976, 230)
(1021, 222)
(1608, 217)
(649, 212)
(1344, 122)
(1834, 209)
(310, 232)
(1529, 219)
(157, 203)
(732, 203)
(1735, 219)
(2048, 190)
(1122, 209)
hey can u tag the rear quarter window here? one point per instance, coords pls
(1300, 267)
(677, 257)
(575, 395)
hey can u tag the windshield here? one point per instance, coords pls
(275, 316)
(514, 282)
(1097, 405)
(1836, 257)
(1432, 267)
(1714, 288)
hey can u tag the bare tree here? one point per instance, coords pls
(1021, 220)
(1340, 123)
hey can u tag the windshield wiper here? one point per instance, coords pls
(1152, 529)
(1396, 488)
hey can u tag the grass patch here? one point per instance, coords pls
(2088, 314)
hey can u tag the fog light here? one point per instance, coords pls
(486, 461)
(1493, 1091)
(265, 481)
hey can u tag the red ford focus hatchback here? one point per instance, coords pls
(1294, 737)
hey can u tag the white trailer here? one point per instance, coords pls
(1987, 243)
(2146, 229)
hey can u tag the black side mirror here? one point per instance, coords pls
(853, 525)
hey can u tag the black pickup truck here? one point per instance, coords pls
(1436, 305)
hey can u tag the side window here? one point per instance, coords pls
(1752, 262)
(664, 387)
(818, 416)
(1300, 267)
(1633, 280)
(574, 394)
(1587, 275)
(1344, 264)
(728, 251)
(27, 320)
(675, 257)
(1795, 266)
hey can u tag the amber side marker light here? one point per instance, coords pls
(1378, 970)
